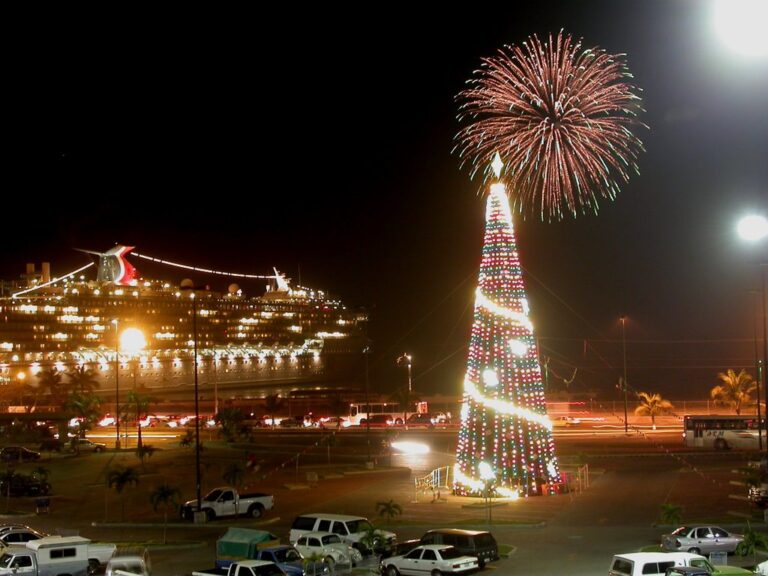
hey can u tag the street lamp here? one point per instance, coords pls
(117, 385)
(188, 285)
(624, 383)
(407, 360)
(488, 476)
(754, 228)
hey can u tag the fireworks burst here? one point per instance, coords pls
(560, 116)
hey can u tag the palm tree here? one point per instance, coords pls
(50, 381)
(389, 509)
(119, 478)
(273, 403)
(231, 421)
(405, 400)
(751, 542)
(167, 496)
(735, 390)
(671, 514)
(83, 379)
(86, 407)
(139, 405)
(652, 405)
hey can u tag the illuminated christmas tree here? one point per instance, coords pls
(505, 438)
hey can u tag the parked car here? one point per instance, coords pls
(85, 445)
(328, 546)
(480, 544)
(227, 501)
(18, 454)
(658, 563)
(24, 485)
(20, 535)
(124, 565)
(429, 559)
(701, 540)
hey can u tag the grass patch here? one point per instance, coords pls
(461, 522)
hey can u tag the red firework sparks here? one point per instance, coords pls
(560, 117)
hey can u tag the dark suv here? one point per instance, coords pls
(470, 542)
(24, 485)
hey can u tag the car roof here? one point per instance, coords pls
(650, 556)
(340, 517)
(318, 534)
(435, 546)
(458, 531)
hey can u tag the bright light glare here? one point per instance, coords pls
(741, 25)
(410, 447)
(132, 340)
(486, 471)
(753, 228)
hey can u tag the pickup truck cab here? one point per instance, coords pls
(227, 501)
(244, 568)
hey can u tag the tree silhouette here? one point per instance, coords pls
(138, 404)
(83, 379)
(652, 405)
(167, 497)
(119, 478)
(51, 382)
(735, 390)
(389, 509)
(338, 407)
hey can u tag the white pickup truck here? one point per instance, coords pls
(55, 555)
(244, 568)
(227, 501)
(656, 564)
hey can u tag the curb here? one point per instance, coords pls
(212, 525)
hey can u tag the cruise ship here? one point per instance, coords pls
(285, 340)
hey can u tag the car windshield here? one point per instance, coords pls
(212, 496)
(449, 553)
(331, 539)
(703, 563)
(128, 567)
(5, 560)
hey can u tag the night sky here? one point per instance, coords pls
(319, 142)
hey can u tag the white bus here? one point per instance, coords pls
(358, 413)
(722, 432)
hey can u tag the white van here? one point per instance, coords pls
(351, 530)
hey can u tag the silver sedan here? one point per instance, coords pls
(701, 540)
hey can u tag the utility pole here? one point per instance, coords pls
(624, 383)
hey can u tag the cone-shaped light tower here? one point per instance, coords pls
(505, 436)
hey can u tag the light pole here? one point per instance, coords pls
(624, 383)
(407, 360)
(754, 228)
(487, 475)
(188, 285)
(117, 386)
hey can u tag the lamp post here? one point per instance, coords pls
(187, 285)
(754, 228)
(117, 385)
(407, 360)
(367, 351)
(132, 342)
(624, 383)
(487, 475)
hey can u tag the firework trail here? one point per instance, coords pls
(560, 116)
